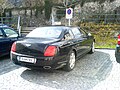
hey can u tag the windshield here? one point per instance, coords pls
(45, 32)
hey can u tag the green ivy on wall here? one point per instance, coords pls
(48, 9)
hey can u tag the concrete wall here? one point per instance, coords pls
(26, 30)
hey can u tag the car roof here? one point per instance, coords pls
(3, 26)
(58, 26)
(61, 26)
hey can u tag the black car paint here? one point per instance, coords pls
(80, 46)
(117, 53)
(6, 42)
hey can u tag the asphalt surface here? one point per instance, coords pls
(98, 71)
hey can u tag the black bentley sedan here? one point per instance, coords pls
(52, 47)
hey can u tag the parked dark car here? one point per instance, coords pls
(7, 37)
(117, 50)
(52, 47)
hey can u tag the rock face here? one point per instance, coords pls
(84, 13)
(33, 21)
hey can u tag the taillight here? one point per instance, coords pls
(119, 39)
(50, 51)
(13, 48)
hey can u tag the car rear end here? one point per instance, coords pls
(36, 55)
(37, 49)
(117, 51)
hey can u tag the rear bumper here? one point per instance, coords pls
(41, 62)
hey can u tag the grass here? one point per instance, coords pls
(103, 33)
(106, 46)
(106, 43)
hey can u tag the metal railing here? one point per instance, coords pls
(97, 18)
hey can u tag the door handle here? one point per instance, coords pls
(70, 42)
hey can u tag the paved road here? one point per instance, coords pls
(98, 71)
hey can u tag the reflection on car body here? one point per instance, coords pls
(52, 47)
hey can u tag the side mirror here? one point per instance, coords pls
(89, 34)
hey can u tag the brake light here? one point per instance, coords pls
(13, 48)
(50, 51)
(119, 39)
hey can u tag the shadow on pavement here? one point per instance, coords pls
(6, 65)
(89, 71)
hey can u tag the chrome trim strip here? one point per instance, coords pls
(62, 62)
(21, 54)
(29, 56)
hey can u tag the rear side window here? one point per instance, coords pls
(10, 33)
(76, 32)
(83, 33)
(68, 35)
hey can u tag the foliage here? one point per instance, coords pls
(60, 13)
(48, 9)
(3, 5)
(105, 34)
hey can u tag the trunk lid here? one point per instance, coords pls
(34, 46)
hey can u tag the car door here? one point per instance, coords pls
(86, 40)
(67, 42)
(4, 43)
(11, 35)
(79, 40)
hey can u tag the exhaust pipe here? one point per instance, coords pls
(47, 67)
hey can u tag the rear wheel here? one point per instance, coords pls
(71, 62)
(118, 60)
(92, 48)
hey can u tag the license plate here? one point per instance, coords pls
(26, 59)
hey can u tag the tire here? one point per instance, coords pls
(71, 62)
(92, 48)
(117, 60)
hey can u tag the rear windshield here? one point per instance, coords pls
(46, 32)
